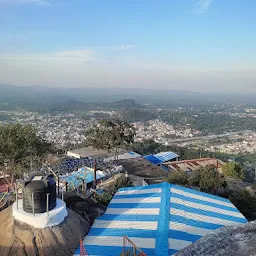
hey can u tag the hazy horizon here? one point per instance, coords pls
(193, 45)
(130, 91)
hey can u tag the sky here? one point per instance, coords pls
(195, 45)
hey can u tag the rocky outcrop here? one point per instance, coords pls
(227, 241)
(88, 209)
(18, 239)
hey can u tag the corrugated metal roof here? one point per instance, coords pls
(161, 157)
(166, 156)
(74, 163)
(160, 219)
(194, 163)
(76, 178)
(127, 155)
(153, 159)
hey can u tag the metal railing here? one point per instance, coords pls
(130, 249)
(33, 201)
(47, 203)
(33, 204)
(83, 251)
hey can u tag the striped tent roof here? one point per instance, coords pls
(160, 219)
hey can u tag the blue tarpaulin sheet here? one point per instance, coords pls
(160, 219)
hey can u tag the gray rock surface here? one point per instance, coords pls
(19, 239)
(86, 208)
(231, 241)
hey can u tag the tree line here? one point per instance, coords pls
(21, 148)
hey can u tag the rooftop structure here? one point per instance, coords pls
(191, 165)
(142, 168)
(127, 155)
(76, 178)
(73, 164)
(90, 152)
(161, 157)
(160, 219)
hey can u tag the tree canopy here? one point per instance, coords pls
(121, 182)
(19, 146)
(233, 170)
(178, 177)
(207, 179)
(110, 135)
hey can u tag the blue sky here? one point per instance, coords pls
(197, 45)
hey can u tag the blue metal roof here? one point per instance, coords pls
(166, 156)
(161, 157)
(76, 178)
(154, 160)
(160, 219)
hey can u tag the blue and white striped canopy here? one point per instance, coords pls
(160, 219)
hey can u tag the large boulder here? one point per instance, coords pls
(226, 241)
(87, 208)
(19, 239)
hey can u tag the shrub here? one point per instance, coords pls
(178, 177)
(207, 179)
(106, 197)
(233, 170)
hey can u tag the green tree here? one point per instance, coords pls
(110, 135)
(121, 182)
(146, 147)
(178, 177)
(20, 147)
(207, 179)
(233, 170)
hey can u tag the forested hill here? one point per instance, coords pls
(36, 97)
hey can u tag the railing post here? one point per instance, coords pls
(16, 194)
(95, 175)
(85, 188)
(58, 186)
(66, 186)
(33, 206)
(62, 196)
(47, 203)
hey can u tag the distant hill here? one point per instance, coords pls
(78, 106)
(10, 91)
(42, 98)
(125, 104)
